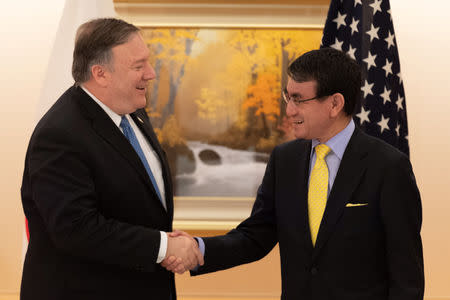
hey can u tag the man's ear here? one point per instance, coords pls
(100, 75)
(337, 104)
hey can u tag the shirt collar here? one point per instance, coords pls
(339, 142)
(114, 117)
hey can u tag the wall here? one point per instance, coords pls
(28, 28)
(27, 32)
(423, 38)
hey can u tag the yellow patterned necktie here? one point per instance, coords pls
(318, 189)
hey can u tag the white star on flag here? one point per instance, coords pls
(363, 115)
(354, 25)
(399, 103)
(383, 123)
(397, 129)
(373, 32)
(351, 52)
(390, 40)
(376, 6)
(370, 60)
(386, 95)
(340, 20)
(337, 45)
(367, 89)
(387, 68)
(358, 2)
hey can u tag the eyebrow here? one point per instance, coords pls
(140, 61)
(296, 94)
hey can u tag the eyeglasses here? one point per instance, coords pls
(296, 101)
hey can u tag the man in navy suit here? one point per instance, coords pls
(96, 188)
(343, 206)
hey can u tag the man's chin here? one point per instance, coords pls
(141, 102)
(300, 134)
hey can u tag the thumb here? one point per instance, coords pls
(175, 233)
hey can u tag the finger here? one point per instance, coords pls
(191, 259)
(180, 269)
(193, 265)
(199, 256)
(188, 262)
(175, 264)
(168, 261)
(182, 233)
(175, 233)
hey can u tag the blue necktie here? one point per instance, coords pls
(131, 137)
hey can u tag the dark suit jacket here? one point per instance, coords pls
(94, 216)
(370, 251)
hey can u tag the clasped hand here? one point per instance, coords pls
(182, 253)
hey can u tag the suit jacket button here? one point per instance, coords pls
(314, 271)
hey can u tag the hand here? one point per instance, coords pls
(182, 253)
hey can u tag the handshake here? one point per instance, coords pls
(182, 253)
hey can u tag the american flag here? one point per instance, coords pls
(364, 30)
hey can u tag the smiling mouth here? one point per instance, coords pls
(297, 122)
(141, 88)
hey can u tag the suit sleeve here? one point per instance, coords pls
(64, 194)
(401, 213)
(253, 238)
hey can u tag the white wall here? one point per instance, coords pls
(423, 30)
(28, 28)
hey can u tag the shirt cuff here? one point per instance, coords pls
(201, 245)
(162, 247)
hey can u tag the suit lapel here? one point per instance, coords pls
(105, 128)
(295, 186)
(147, 129)
(304, 197)
(349, 175)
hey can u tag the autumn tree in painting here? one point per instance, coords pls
(263, 97)
(171, 48)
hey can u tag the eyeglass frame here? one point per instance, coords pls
(297, 102)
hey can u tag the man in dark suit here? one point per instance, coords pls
(343, 206)
(96, 187)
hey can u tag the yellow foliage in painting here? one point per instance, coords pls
(270, 50)
(263, 96)
(231, 85)
(220, 96)
(266, 145)
(173, 42)
(170, 134)
(169, 45)
(245, 41)
(151, 112)
(209, 105)
(158, 133)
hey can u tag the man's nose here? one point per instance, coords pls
(291, 109)
(150, 73)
